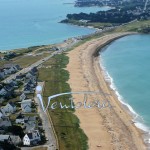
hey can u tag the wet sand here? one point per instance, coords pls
(106, 129)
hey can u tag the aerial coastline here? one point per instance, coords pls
(73, 75)
(110, 124)
(87, 75)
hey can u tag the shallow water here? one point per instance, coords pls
(127, 64)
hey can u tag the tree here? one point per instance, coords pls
(16, 130)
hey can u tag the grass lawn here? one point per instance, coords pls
(2, 62)
(135, 26)
(25, 61)
(66, 124)
(99, 25)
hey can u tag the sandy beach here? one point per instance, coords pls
(106, 129)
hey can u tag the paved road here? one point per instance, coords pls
(51, 143)
(47, 124)
(25, 70)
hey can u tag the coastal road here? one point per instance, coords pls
(27, 69)
(47, 124)
(52, 142)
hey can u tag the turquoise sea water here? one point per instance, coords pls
(127, 64)
(26, 23)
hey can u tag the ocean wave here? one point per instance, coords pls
(137, 119)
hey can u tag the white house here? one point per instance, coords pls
(9, 108)
(27, 89)
(31, 138)
(26, 105)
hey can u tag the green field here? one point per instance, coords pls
(66, 124)
(25, 61)
(135, 26)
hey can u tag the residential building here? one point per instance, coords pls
(13, 84)
(31, 138)
(10, 139)
(19, 78)
(30, 123)
(7, 71)
(23, 96)
(3, 91)
(5, 138)
(15, 66)
(34, 69)
(1, 114)
(26, 105)
(20, 119)
(9, 88)
(15, 139)
(28, 89)
(2, 75)
(9, 108)
(5, 122)
(30, 74)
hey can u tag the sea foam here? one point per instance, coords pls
(137, 119)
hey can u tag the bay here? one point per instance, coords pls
(127, 62)
(25, 23)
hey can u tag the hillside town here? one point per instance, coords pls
(121, 12)
(111, 3)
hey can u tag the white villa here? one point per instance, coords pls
(31, 138)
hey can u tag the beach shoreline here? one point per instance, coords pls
(115, 125)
